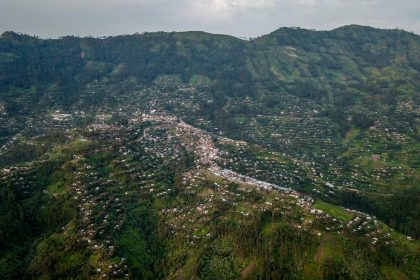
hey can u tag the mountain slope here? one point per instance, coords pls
(193, 155)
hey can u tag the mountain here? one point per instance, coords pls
(187, 155)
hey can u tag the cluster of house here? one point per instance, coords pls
(361, 224)
(239, 178)
(153, 138)
(198, 142)
(20, 178)
(244, 159)
(102, 198)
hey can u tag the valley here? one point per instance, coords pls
(212, 158)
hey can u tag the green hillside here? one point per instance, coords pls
(191, 155)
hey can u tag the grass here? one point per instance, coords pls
(59, 184)
(159, 204)
(241, 119)
(391, 273)
(199, 80)
(334, 211)
(311, 271)
(413, 246)
(189, 267)
(352, 134)
(270, 227)
(57, 188)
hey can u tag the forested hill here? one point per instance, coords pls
(72, 62)
(344, 63)
(363, 58)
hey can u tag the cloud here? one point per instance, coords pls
(236, 17)
(259, 4)
(303, 2)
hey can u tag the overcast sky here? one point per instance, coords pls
(241, 18)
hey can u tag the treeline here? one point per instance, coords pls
(70, 62)
(24, 152)
(400, 211)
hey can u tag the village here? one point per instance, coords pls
(144, 146)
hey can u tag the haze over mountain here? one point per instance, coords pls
(189, 155)
(243, 18)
